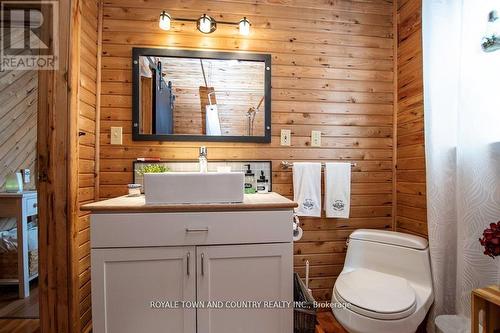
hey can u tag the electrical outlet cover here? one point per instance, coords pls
(116, 135)
(286, 137)
(315, 138)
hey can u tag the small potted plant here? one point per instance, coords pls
(491, 240)
(152, 168)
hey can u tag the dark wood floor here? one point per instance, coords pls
(19, 326)
(328, 323)
(11, 307)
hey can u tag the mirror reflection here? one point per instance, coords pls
(195, 96)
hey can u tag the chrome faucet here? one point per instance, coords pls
(202, 158)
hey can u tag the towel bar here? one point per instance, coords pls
(289, 165)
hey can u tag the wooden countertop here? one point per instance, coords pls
(125, 204)
(16, 194)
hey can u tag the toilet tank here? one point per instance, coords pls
(390, 252)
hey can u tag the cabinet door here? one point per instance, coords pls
(236, 273)
(126, 280)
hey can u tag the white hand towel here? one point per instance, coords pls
(212, 120)
(337, 189)
(307, 188)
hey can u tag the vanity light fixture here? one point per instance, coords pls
(244, 26)
(165, 20)
(205, 24)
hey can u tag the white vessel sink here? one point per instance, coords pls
(193, 187)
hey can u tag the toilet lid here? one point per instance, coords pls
(383, 294)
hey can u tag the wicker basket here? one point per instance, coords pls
(304, 320)
(33, 261)
(304, 317)
(8, 264)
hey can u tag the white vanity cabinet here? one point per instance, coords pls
(126, 280)
(233, 261)
(236, 273)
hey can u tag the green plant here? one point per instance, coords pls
(153, 168)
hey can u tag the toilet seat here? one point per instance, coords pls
(375, 295)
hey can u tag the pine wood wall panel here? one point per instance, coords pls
(86, 158)
(18, 123)
(332, 70)
(410, 179)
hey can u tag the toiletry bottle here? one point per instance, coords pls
(262, 183)
(203, 159)
(249, 180)
(26, 175)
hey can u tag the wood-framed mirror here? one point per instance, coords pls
(186, 95)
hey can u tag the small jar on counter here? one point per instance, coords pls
(134, 190)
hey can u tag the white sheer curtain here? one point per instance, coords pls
(462, 133)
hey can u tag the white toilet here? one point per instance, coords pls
(386, 283)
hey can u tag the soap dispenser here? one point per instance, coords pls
(202, 158)
(262, 183)
(250, 186)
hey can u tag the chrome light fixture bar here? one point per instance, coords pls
(205, 24)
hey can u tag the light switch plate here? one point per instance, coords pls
(315, 138)
(116, 135)
(286, 137)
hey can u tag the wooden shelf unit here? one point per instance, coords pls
(486, 309)
(21, 206)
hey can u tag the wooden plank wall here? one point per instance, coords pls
(332, 71)
(18, 121)
(53, 146)
(411, 212)
(87, 141)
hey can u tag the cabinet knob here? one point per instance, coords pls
(187, 266)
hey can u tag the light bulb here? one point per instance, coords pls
(165, 20)
(244, 27)
(206, 24)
